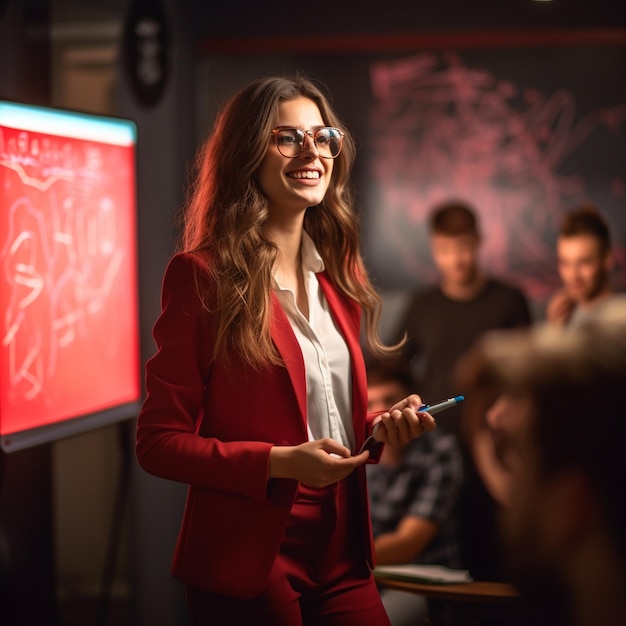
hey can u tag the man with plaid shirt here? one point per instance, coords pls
(413, 493)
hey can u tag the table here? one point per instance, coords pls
(473, 603)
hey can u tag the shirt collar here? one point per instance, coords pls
(311, 259)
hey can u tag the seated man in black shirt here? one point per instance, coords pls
(441, 323)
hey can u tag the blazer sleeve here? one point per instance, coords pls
(168, 443)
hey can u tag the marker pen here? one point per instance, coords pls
(441, 406)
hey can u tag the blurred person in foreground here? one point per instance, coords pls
(585, 261)
(413, 493)
(558, 459)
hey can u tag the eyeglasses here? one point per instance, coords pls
(290, 141)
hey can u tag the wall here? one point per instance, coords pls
(165, 148)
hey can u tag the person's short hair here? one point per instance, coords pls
(586, 220)
(575, 380)
(390, 370)
(452, 219)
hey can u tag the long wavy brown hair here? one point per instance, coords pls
(226, 212)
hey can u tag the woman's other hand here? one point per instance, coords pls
(316, 463)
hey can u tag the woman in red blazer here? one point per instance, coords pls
(256, 396)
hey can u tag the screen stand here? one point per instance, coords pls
(27, 565)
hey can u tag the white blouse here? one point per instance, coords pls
(326, 356)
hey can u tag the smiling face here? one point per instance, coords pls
(583, 267)
(293, 184)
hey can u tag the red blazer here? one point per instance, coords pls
(213, 429)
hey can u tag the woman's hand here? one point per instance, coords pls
(316, 463)
(403, 422)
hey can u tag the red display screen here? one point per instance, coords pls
(69, 333)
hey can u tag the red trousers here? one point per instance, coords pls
(320, 577)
